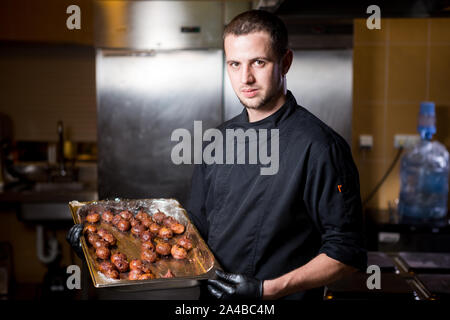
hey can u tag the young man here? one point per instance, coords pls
(284, 234)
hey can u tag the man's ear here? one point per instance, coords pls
(287, 61)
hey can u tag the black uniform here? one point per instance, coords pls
(267, 225)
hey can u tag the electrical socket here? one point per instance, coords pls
(406, 140)
(365, 141)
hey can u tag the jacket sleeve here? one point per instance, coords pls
(332, 197)
(196, 202)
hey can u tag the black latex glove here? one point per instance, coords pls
(235, 286)
(73, 238)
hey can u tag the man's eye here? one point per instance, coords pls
(259, 63)
(234, 64)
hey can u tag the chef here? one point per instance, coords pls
(282, 235)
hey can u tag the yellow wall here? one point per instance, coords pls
(396, 68)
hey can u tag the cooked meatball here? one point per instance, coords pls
(102, 253)
(159, 217)
(136, 264)
(147, 222)
(108, 269)
(147, 245)
(134, 274)
(163, 248)
(165, 233)
(122, 265)
(147, 276)
(177, 228)
(93, 217)
(137, 229)
(123, 225)
(141, 215)
(134, 221)
(146, 236)
(92, 238)
(185, 242)
(127, 215)
(113, 274)
(90, 228)
(154, 228)
(117, 218)
(169, 221)
(107, 216)
(118, 256)
(149, 255)
(108, 237)
(106, 266)
(178, 252)
(100, 243)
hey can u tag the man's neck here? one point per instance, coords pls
(258, 114)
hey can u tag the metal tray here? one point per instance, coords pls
(200, 263)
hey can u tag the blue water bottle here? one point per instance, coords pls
(424, 174)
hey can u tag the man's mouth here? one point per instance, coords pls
(250, 92)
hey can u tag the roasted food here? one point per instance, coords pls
(178, 252)
(127, 215)
(90, 228)
(102, 253)
(118, 256)
(147, 222)
(93, 217)
(141, 215)
(138, 229)
(136, 264)
(108, 269)
(134, 221)
(99, 243)
(123, 225)
(122, 265)
(159, 217)
(107, 236)
(185, 242)
(147, 245)
(165, 233)
(169, 221)
(163, 248)
(92, 238)
(116, 219)
(146, 236)
(134, 274)
(149, 255)
(147, 276)
(107, 216)
(154, 228)
(177, 228)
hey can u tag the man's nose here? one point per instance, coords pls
(247, 75)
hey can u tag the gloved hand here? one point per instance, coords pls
(73, 238)
(235, 286)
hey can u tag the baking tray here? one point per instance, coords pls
(200, 263)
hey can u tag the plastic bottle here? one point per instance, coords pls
(424, 174)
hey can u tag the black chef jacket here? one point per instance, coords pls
(267, 225)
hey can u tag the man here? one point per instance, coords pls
(280, 235)
(290, 233)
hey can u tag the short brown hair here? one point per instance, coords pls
(260, 20)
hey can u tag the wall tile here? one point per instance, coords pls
(408, 31)
(369, 74)
(440, 30)
(363, 35)
(440, 74)
(407, 73)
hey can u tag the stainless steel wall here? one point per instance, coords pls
(142, 98)
(321, 81)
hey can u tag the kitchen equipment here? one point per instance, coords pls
(199, 265)
(426, 262)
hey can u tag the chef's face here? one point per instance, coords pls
(254, 69)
